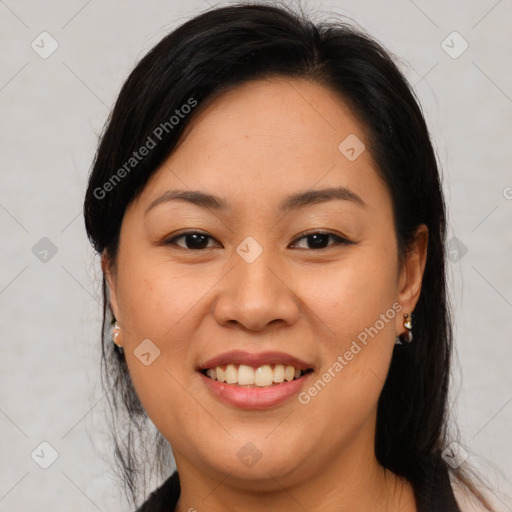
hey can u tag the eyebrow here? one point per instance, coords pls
(320, 196)
(295, 201)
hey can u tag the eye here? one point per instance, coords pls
(320, 240)
(193, 240)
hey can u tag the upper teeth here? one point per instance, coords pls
(243, 375)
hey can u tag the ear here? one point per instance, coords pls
(411, 275)
(109, 271)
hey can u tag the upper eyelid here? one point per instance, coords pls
(173, 239)
(341, 238)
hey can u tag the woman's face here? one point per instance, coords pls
(284, 159)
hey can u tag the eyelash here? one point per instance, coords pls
(338, 240)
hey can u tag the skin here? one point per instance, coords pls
(253, 146)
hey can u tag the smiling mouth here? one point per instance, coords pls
(247, 376)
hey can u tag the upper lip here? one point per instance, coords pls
(254, 360)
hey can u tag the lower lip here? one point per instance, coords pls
(255, 397)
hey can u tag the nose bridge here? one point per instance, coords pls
(254, 295)
(255, 276)
(255, 283)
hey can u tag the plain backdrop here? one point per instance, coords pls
(53, 108)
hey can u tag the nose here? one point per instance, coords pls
(255, 295)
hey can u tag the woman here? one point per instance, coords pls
(267, 207)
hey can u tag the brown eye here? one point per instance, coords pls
(320, 240)
(192, 240)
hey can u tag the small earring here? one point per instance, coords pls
(114, 333)
(407, 337)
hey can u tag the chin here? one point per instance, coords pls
(252, 468)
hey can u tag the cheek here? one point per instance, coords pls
(352, 294)
(155, 296)
(166, 304)
(354, 301)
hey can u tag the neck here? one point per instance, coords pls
(351, 482)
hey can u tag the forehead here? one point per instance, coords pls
(269, 137)
(273, 118)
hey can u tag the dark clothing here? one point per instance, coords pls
(433, 496)
(165, 498)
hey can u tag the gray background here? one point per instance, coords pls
(53, 110)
